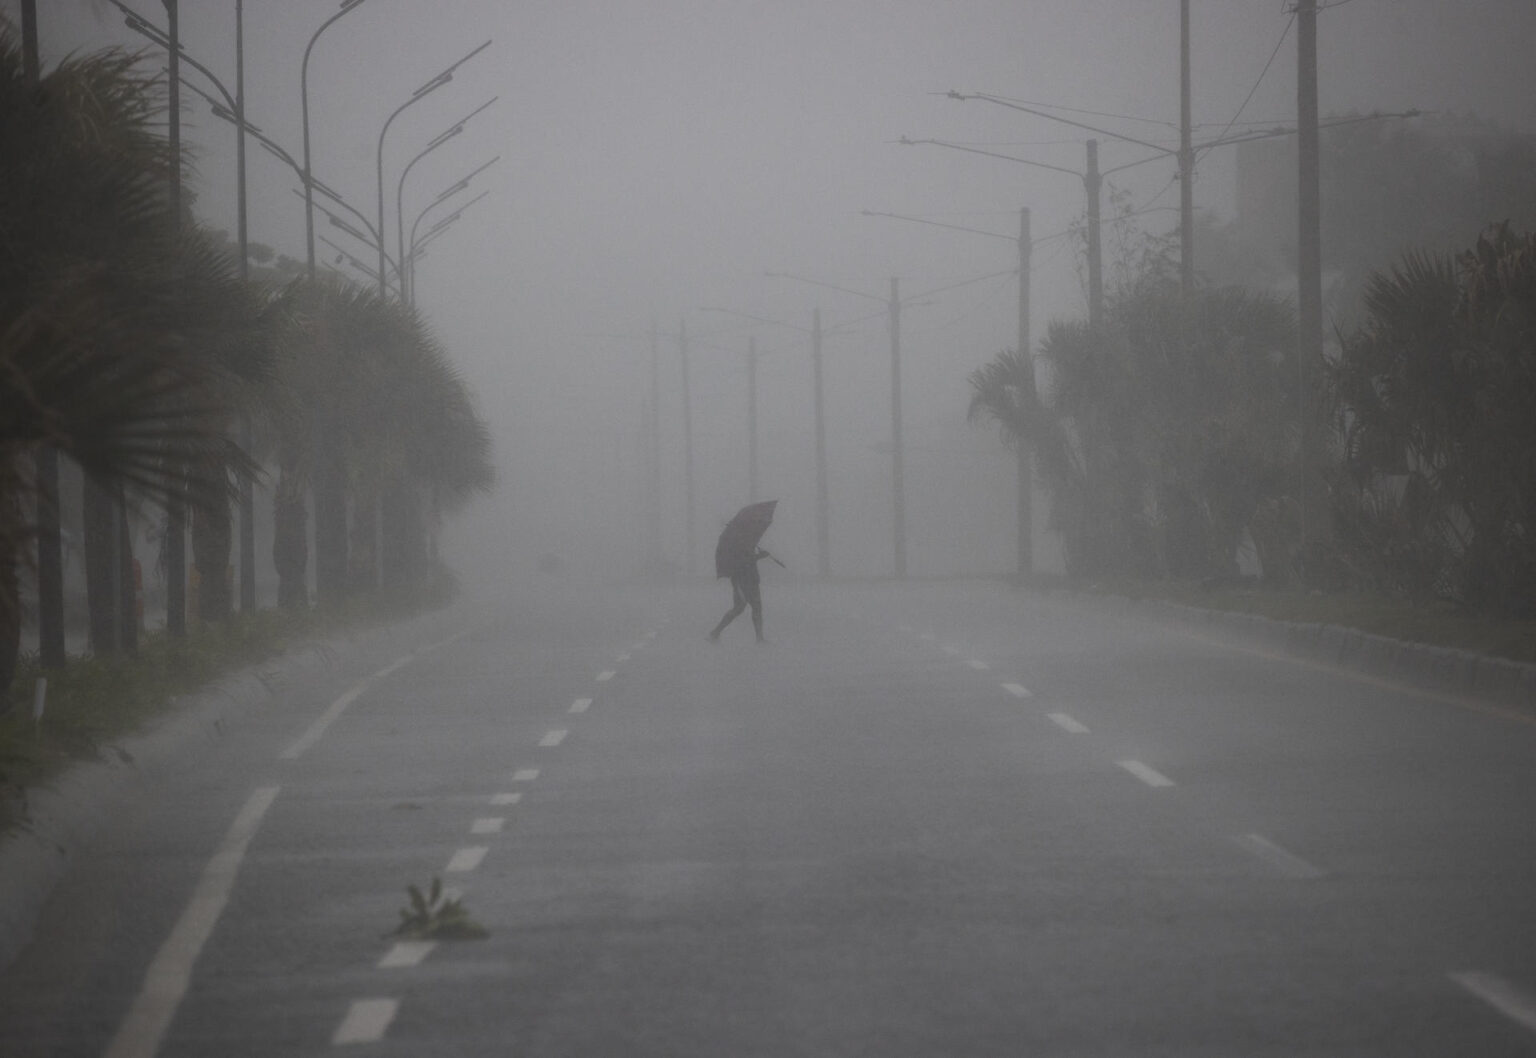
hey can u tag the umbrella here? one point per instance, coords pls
(738, 540)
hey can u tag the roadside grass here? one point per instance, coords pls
(95, 702)
(1435, 624)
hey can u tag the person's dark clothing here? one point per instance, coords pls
(746, 590)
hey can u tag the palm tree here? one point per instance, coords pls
(1434, 396)
(95, 352)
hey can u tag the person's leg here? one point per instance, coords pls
(739, 602)
(754, 594)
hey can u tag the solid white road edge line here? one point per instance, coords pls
(366, 1022)
(406, 953)
(1287, 863)
(488, 825)
(336, 708)
(580, 705)
(1150, 776)
(554, 738)
(170, 972)
(1066, 723)
(1501, 995)
(466, 859)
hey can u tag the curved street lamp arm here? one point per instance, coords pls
(309, 198)
(1053, 117)
(445, 195)
(905, 142)
(432, 145)
(941, 224)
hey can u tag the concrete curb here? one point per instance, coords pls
(66, 815)
(1460, 672)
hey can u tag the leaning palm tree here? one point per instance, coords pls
(94, 353)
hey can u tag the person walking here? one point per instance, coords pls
(736, 557)
(746, 590)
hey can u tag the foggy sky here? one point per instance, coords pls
(658, 156)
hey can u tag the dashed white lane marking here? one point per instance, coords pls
(339, 706)
(1066, 723)
(638, 646)
(928, 636)
(502, 799)
(466, 859)
(580, 705)
(1287, 863)
(554, 738)
(488, 825)
(979, 666)
(525, 775)
(1150, 776)
(170, 972)
(606, 675)
(406, 953)
(366, 1022)
(622, 658)
(950, 648)
(1018, 690)
(1501, 995)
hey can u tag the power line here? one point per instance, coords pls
(1249, 97)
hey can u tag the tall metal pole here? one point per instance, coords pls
(823, 559)
(653, 466)
(309, 190)
(176, 515)
(682, 347)
(1026, 526)
(1186, 163)
(751, 419)
(898, 487)
(50, 550)
(1309, 266)
(1092, 183)
(247, 486)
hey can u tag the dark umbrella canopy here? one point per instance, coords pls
(737, 548)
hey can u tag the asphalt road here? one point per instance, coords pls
(924, 820)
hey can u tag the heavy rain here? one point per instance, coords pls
(667, 527)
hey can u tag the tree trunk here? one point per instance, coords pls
(290, 548)
(130, 582)
(362, 558)
(212, 544)
(99, 540)
(404, 537)
(10, 603)
(330, 495)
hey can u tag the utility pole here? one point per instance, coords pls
(1026, 528)
(176, 511)
(682, 347)
(898, 488)
(50, 551)
(823, 560)
(1093, 181)
(653, 468)
(751, 419)
(1186, 163)
(1309, 266)
(247, 485)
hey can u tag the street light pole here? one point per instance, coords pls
(898, 491)
(823, 559)
(1186, 163)
(682, 348)
(1025, 454)
(432, 145)
(309, 198)
(421, 93)
(176, 511)
(751, 419)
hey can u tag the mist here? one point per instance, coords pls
(656, 160)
